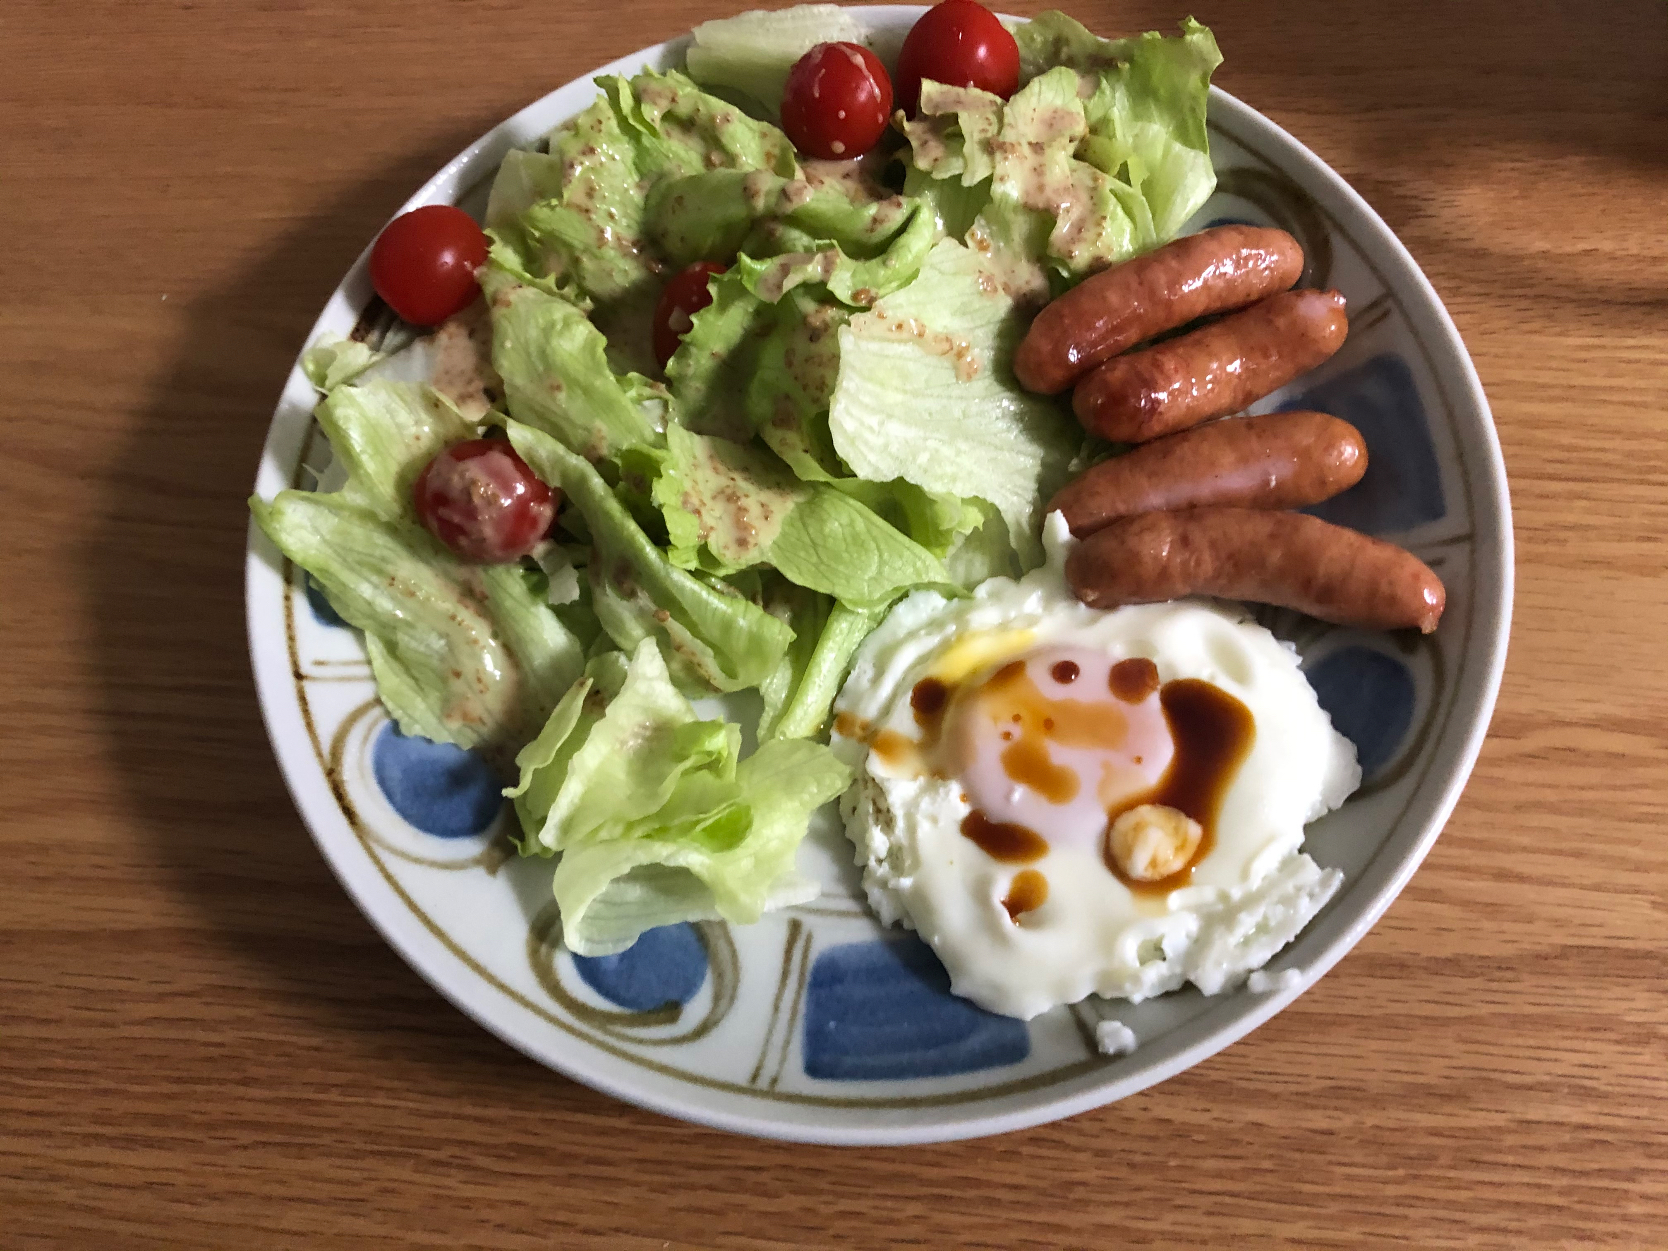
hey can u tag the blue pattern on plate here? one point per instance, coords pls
(883, 1011)
(1402, 487)
(664, 966)
(1214, 222)
(438, 787)
(1369, 696)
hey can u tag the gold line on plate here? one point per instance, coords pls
(793, 1013)
(794, 928)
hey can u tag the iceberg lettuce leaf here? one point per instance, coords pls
(741, 506)
(749, 55)
(655, 819)
(556, 374)
(713, 636)
(925, 393)
(333, 361)
(1101, 154)
(809, 687)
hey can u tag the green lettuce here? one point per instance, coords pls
(581, 212)
(925, 393)
(762, 356)
(832, 543)
(798, 697)
(729, 506)
(572, 221)
(934, 520)
(723, 502)
(983, 551)
(556, 373)
(715, 637)
(677, 129)
(1041, 193)
(793, 380)
(334, 361)
(748, 56)
(709, 373)
(717, 213)
(465, 654)
(1147, 124)
(523, 179)
(806, 612)
(855, 275)
(588, 228)
(656, 819)
(1100, 155)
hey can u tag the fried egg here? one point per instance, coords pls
(1065, 801)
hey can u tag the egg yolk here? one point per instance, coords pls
(1055, 741)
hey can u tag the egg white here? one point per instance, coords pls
(1250, 894)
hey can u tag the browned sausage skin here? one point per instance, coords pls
(1277, 460)
(1210, 272)
(1287, 559)
(1213, 371)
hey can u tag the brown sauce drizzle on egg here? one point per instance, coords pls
(1011, 697)
(1026, 893)
(1000, 840)
(928, 699)
(893, 748)
(1213, 733)
(1211, 730)
(1133, 680)
(850, 725)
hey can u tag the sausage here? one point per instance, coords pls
(1210, 272)
(1278, 460)
(1213, 371)
(1288, 559)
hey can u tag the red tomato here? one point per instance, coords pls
(481, 500)
(959, 43)
(837, 101)
(423, 264)
(686, 295)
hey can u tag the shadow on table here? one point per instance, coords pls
(1550, 100)
(164, 579)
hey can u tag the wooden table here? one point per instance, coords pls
(204, 1044)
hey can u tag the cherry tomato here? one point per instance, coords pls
(684, 296)
(837, 101)
(423, 263)
(481, 500)
(959, 43)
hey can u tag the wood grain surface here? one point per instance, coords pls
(204, 1045)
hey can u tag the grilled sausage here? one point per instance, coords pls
(1213, 371)
(1210, 272)
(1287, 559)
(1278, 460)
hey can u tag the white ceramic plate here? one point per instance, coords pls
(815, 1024)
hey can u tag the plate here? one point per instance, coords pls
(816, 1024)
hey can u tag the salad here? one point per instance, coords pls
(726, 374)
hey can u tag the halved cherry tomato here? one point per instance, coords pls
(481, 500)
(837, 101)
(423, 263)
(683, 297)
(959, 43)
